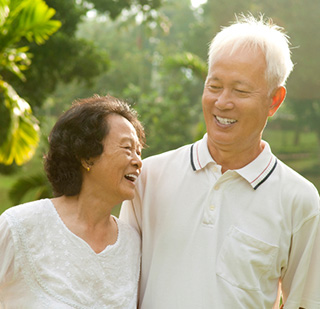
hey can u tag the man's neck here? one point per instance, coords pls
(231, 159)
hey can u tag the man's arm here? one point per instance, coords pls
(131, 213)
(301, 281)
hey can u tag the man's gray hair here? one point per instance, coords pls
(249, 32)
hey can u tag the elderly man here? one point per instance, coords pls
(224, 223)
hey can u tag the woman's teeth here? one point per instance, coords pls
(131, 177)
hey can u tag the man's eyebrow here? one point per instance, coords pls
(244, 84)
(212, 79)
(241, 82)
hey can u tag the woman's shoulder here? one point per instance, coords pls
(27, 210)
(30, 218)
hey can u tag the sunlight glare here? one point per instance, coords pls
(197, 3)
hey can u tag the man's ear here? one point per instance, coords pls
(277, 99)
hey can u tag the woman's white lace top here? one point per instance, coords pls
(44, 265)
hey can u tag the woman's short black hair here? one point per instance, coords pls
(78, 134)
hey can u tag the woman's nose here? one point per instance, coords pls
(137, 160)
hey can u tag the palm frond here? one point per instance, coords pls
(15, 60)
(30, 19)
(34, 187)
(22, 137)
(4, 11)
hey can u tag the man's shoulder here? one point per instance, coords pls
(297, 183)
(292, 175)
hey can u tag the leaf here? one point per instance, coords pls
(23, 134)
(34, 21)
(37, 186)
(30, 19)
(4, 11)
(15, 60)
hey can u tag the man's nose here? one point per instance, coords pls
(224, 100)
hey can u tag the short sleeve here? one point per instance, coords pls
(6, 252)
(311, 295)
(131, 214)
(304, 268)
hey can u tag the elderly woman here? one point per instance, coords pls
(69, 251)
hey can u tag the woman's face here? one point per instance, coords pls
(114, 172)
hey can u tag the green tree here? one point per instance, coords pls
(303, 84)
(63, 59)
(151, 69)
(66, 57)
(69, 59)
(28, 20)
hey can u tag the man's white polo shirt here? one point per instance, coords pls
(212, 240)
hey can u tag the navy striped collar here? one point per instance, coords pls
(256, 172)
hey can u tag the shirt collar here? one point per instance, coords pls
(256, 172)
(259, 170)
(199, 154)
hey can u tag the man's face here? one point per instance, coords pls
(235, 101)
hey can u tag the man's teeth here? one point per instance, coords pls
(131, 177)
(225, 120)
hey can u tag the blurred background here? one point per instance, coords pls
(151, 53)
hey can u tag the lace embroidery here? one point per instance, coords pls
(57, 264)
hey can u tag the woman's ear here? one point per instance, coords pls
(86, 164)
(277, 98)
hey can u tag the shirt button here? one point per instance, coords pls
(214, 169)
(212, 207)
(217, 187)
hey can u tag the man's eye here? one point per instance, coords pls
(214, 87)
(241, 91)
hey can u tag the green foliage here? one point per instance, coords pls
(20, 142)
(151, 69)
(37, 185)
(190, 61)
(66, 57)
(168, 119)
(30, 20)
(16, 60)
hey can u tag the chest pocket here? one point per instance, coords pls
(244, 261)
